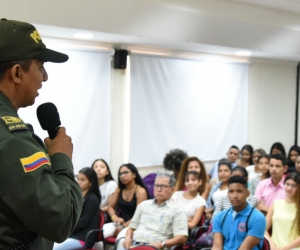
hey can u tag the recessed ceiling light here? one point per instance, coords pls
(243, 53)
(83, 35)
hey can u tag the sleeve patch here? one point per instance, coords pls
(13, 123)
(34, 161)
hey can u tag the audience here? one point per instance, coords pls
(106, 182)
(89, 218)
(193, 164)
(241, 226)
(294, 152)
(246, 156)
(129, 193)
(224, 203)
(232, 154)
(190, 200)
(277, 148)
(263, 165)
(173, 160)
(158, 222)
(297, 165)
(272, 188)
(220, 189)
(284, 217)
(253, 170)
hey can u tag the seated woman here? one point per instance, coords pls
(224, 202)
(263, 165)
(277, 148)
(294, 152)
(246, 156)
(106, 182)
(130, 192)
(297, 164)
(253, 170)
(219, 190)
(190, 200)
(89, 218)
(193, 164)
(284, 217)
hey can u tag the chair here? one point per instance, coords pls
(112, 240)
(144, 247)
(100, 236)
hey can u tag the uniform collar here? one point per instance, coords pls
(7, 103)
(244, 212)
(165, 203)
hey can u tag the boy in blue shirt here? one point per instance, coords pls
(242, 226)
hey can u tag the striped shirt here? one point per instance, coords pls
(224, 203)
(156, 223)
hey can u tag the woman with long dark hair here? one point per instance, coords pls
(130, 192)
(246, 156)
(89, 218)
(284, 217)
(106, 182)
(294, 152)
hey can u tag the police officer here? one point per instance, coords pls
(40, 201)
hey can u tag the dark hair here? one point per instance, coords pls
(194, 173)
(173, 159)
(279, 146)
(249, 148)
(267, 175)
(92, 177)
(4, 66)
(138, 178)
(107, 177)
(225, 161)
(296, 178)
(235, 147)
(242, 170)
(260, 151)
(280, 157)
(238, 179)
(181, 175)
(293, 148)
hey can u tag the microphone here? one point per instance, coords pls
(49, 118)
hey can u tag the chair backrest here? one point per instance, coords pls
(266, 245)
(149, 183)
(101, 223)
(144, 247)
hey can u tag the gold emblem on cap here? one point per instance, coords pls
(36, 36)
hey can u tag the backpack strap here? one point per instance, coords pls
(248, 219)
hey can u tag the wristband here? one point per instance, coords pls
(112, 217)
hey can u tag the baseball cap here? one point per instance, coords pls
(20, 40)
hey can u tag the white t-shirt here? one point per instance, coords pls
(106, 189)
(219, 194)
(189, 206)
(251, 172)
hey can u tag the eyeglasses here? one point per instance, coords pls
(290, 185)
(124, 173)
(156, 186)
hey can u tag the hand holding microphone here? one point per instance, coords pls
(58, 141)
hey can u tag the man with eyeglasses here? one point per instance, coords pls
(158, 222)
(272, 188)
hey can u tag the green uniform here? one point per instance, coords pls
(40, 201)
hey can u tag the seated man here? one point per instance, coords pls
(242, 226)
(158, 222)
(232, 155)
(272, 188)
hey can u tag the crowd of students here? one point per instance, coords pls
(272, 188)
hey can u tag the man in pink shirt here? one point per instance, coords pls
(272, 188)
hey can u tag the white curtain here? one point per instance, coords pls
(200, 107)
(80, 89)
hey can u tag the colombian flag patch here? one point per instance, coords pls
(34, 161)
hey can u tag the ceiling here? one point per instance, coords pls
(270, 29)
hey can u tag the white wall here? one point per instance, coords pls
(271, 107)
